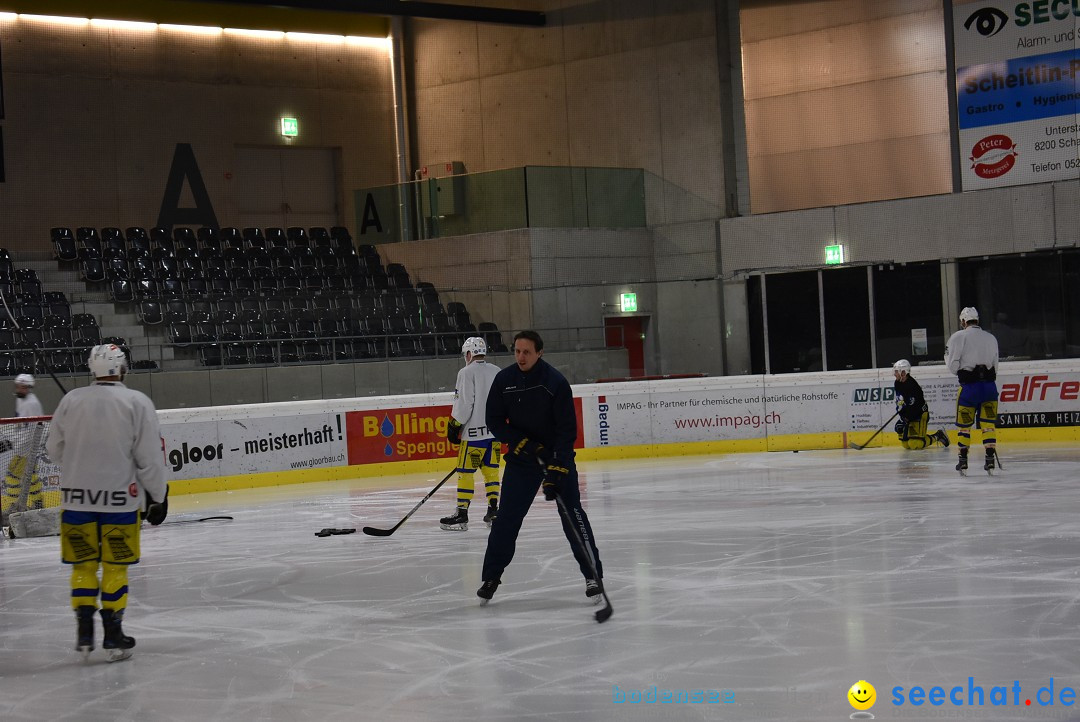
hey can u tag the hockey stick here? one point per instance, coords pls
(604, 614)
(372, 531)
(853, 445)
(192, 521)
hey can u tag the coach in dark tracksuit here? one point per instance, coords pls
(531, 409)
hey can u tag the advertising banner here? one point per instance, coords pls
(1017, 72)
(195, 450)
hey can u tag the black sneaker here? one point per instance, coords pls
(942, 438)
(492, 512)
(594, 589)
(459, 521)
(487, 591)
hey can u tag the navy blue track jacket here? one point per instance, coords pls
(537, 405)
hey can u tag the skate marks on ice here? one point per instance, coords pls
(782, 577)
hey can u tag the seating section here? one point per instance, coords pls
(269, 296)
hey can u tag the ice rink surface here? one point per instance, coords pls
(772, 581)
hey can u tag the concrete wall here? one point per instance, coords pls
(93, 115)
(997, 221)
(618, 83)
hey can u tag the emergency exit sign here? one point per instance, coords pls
(834, 255)
(290, 127)
(628, 302)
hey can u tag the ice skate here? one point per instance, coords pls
(962, 464)
(594, 590)
(492, 512)
(942, 438)
(990, 464)
(459, 521)
(116, 644)
(84, 617)
(487, 591)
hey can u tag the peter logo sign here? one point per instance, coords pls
(993, 156)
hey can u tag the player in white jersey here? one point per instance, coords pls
(26, 404)
(467, 427)
(972, 354)
(106, 439)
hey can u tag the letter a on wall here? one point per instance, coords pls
(184, 167)
(371, 216)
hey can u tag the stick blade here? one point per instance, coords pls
(853, 445)
(604, 614)
(372, 531)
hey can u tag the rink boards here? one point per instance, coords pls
(217, 448)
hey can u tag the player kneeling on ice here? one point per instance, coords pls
(913, 412)
(468, 428)
(972, 354)
(531, 409)
(105, 438)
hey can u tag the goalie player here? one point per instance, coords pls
(106, 439)
(26, 404)
(478, 448)
(913, 411)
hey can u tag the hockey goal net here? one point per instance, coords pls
(31, 480)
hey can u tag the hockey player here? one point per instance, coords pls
(913, 412)
(531, 409)
(26, 404)
(105, 438)
(468, 428)
(972, 354)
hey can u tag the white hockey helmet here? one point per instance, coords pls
(969, 314)
(25, 380)
(474, 345)
(902, 365)
(108, 359)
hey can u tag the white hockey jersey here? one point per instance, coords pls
(28, 406)
(470, 399)
(970, 347)
(106, 439)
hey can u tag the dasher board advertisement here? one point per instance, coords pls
(1017, 72)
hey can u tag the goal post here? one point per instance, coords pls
(31, 481)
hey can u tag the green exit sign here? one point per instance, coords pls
(290, 127)
(628, 302)
(834, 255)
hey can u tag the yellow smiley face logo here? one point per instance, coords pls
(862, 695)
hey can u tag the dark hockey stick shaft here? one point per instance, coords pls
(604, 614)
(372, 531)
(192, 521)
(874, 436)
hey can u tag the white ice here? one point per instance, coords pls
(784, 578)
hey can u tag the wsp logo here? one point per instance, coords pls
(874, 395)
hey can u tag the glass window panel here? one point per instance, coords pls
(847, 318)
(906, 298)
(794, 323)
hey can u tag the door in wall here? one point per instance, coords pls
(629, 332)
(282, 187)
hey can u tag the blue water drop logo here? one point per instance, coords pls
(387, 426)
(388, 451)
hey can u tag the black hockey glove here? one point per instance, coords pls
(901, 426)
(453, 432)
(554, 475)
(157, 511)
(526, 448)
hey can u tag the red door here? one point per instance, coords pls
(628, 331)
